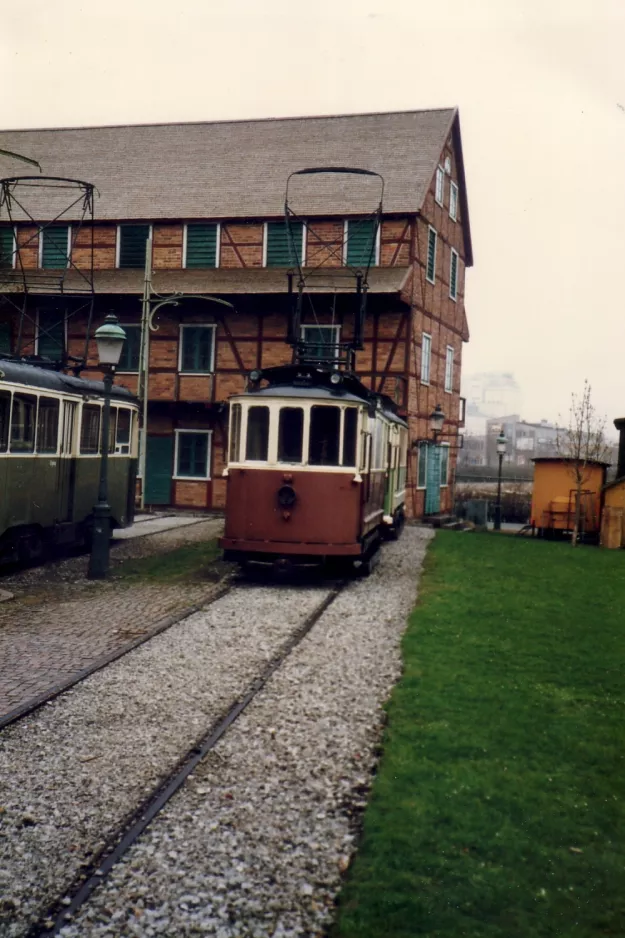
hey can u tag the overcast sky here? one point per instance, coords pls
(541, 89)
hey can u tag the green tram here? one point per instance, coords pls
(50, 448)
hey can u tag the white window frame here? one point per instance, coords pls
(439, 186)
(427, 253)
(40, 246)
(266, 240)
(217, 243)
(453, 254)
(453, 201)
(13, 249)
(426, 359)
(197, 325)
(209, 455)
(444, 484)
(449, 369)
(118, 241)
(378, 237)
(65, 338)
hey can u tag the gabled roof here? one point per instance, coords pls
(238, 169)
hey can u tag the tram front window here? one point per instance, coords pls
(290, 434)
(323, 449)
(349, 436)
(257, 442)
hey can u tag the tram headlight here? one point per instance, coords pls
(335, 378)
(255, 376)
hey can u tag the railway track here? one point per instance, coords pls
(48, 917)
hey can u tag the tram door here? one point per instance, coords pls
(66, 480)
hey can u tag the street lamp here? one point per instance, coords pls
(109, 340)
(501, 452)
(437, 419)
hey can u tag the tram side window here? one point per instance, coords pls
(23, 419)
(5, 414)
(48, 425)
(323, 449)
(290, 434)
(122, 438)
(350, 436)
(112, 429)
(235, 433)
(90, 429)
(257, 443)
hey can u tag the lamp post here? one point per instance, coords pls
(109, 340)
(437, 419)
(501, 452)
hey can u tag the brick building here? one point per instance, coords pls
(209, 200)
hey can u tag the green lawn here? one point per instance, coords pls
(497, 810)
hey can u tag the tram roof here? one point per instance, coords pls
(37, 377)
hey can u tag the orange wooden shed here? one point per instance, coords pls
(553, 496)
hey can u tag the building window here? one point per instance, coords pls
(426, 357)
(453, 274)
(422, 466)
(444, 463)
(197, 350)
(7, 248)
(131, 245)
(131, 349)
(50, 339)
(321, 342)
(453, 201)
(449, 369)
(54, 247)
(440, 184)
(192, 454)
(431, 265)
(284, 245)
(201, 246)
(361, 247)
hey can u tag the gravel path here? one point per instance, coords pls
(70, 773)
(256, 842)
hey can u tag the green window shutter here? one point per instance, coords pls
(54, 247)
(361, 243)
(201, 246)
(51, 333)
(431, 267)
(7, 247)
(5, 338)
(132, 242)
(192, 455)
(453, 275)
(284, 245)
(131, 348)
(197, 349)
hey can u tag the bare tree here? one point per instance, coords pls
(581, 444)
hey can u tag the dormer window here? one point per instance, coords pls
(440, 184)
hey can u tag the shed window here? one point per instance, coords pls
(453, 275)
(431, 264)
(192, 454)
(5, 416)
(290, 434)
(7, 247)
(48, 425)
(235, 433)
(440, 184)
(361, 238)
(197, 349)
(323, 449)
(284, 243)
(51, 333)
(90, 429)
(54, 247)
(350, 428)
(257, 443)
(23, 419)
(453, 201)
(131, 349)
(132, 245)
(201, 246)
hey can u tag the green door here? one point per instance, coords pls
(158, 470)
(433, 481)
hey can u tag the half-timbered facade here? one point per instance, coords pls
(208, 199)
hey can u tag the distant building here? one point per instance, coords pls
(525, 441)
(491, 394)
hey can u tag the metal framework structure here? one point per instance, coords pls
(25, 201)
(309, 277)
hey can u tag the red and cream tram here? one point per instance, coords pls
(316, 469)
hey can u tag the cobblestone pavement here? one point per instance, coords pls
(59, 623)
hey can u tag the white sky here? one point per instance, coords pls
(538, 83)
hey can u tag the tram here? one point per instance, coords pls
(50, 447)
(316, 470)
